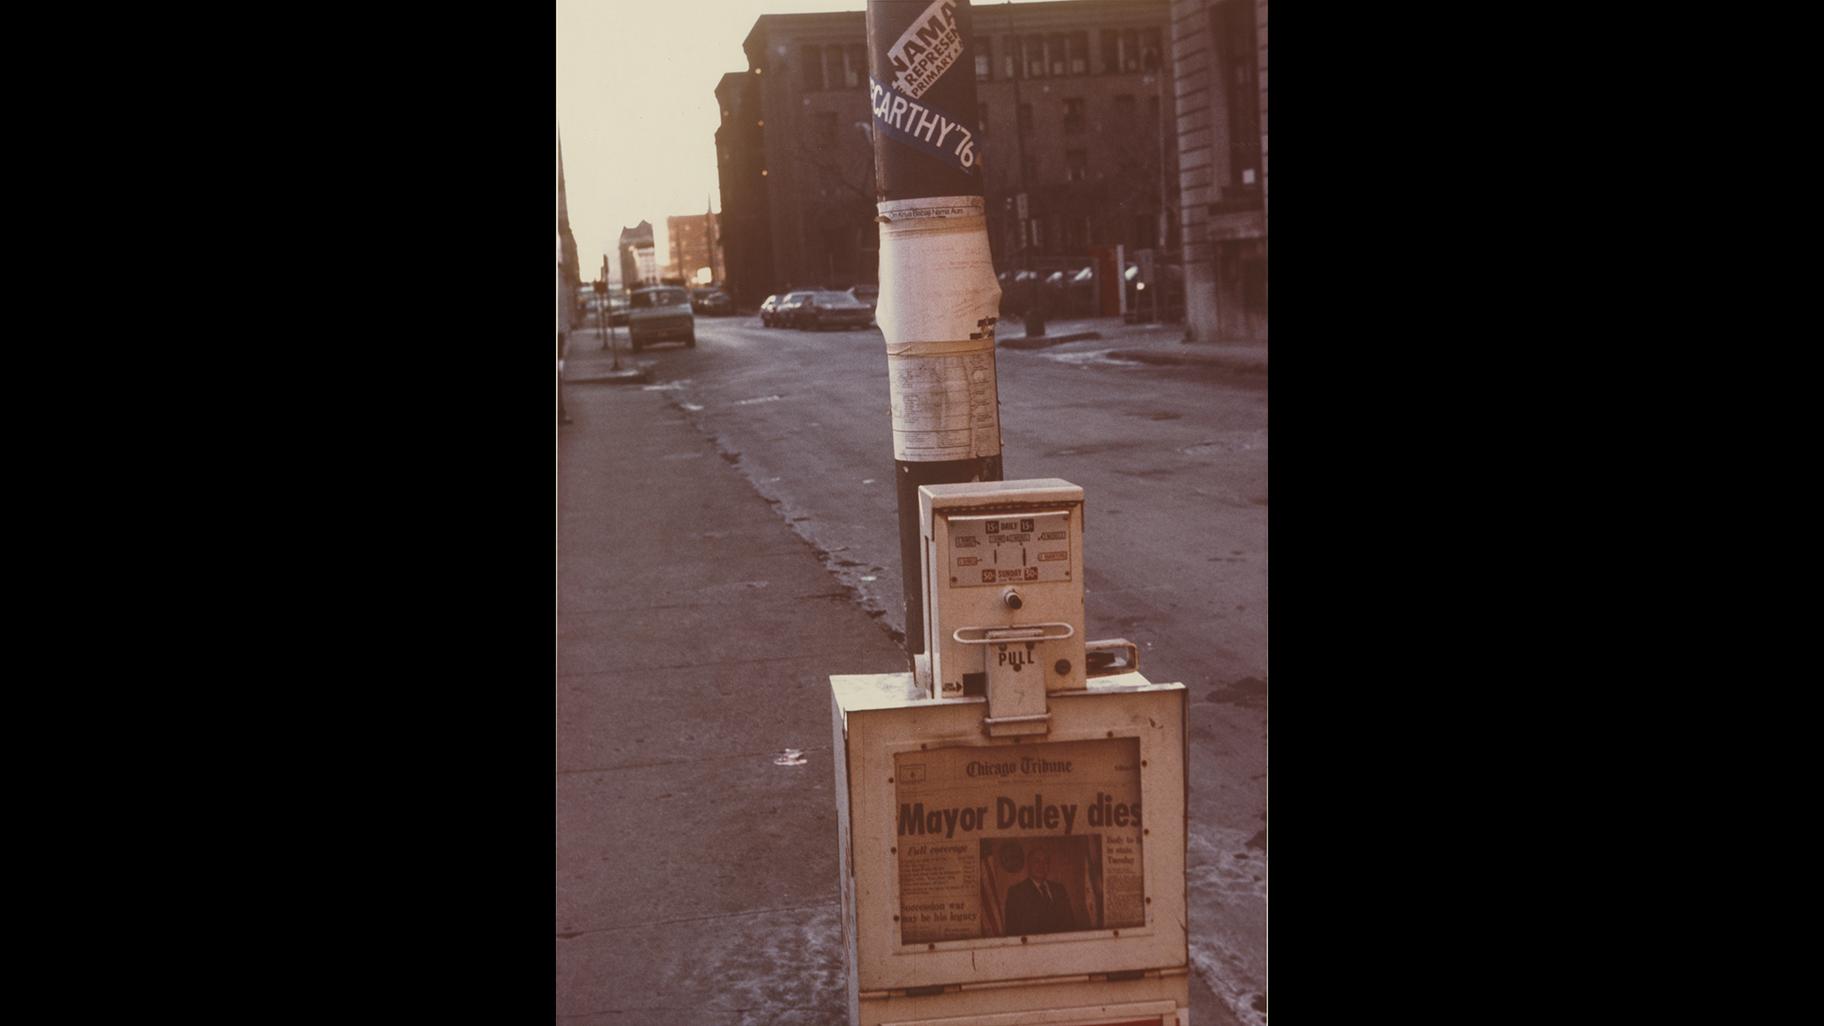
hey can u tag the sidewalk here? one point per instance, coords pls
(589, 363)
(696, 867)
(1142, 343)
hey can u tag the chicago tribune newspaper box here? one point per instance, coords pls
(1012, 813)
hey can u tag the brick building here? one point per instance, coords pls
(693, 246)
(1076, 114)
(746, 238)
(1220, 55)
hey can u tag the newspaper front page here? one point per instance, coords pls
(1019, 840)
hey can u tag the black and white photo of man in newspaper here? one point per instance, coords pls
(1039, 904)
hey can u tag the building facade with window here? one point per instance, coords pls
(1220, 57)
(801, 146)
(746, 238)
(1077, 113)
(1077, 141)
(692, 246)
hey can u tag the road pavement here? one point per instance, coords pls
(728, 540)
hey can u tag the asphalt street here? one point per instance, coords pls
(1173, 462)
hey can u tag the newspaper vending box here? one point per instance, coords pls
(1012, 813)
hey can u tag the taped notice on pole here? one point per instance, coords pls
(939, 302)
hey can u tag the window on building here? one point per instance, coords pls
(834, 72)
(1025, 118)
(1145, 231)
(857, 74)
(1076, 165)
(1034, 50)
(1152, 53)
(1073, 114)
(1111, 51)
(1059, 63)
(1130, 50)
(1079, 53)
(1233, 26)
(984, 59)
(810, 63)
(1010, 57)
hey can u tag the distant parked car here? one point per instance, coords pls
(618, 309)
(833, 310)
(661, 313)
(769, 310)
(869, 294)
(786, 312)
(714, 302)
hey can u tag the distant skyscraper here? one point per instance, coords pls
(639, 263)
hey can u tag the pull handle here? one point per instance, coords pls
(1003, 635)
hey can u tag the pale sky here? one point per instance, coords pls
(636, 107)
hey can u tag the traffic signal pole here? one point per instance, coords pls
(939, 299)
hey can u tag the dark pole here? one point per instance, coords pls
(938, 296)
(1029, 291)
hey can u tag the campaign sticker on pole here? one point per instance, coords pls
(921, 86)
(936, 133)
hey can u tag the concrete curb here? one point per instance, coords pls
(1042, 341)
(625, 376)
(1241, 365)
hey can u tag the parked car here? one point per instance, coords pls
(661, 313)
(786, 312)
(833, 310)
(767, 311)
(618, 309)
(714, 302)
(869, 294)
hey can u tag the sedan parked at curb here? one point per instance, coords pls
(786, 312)
(714, 302)
(768, 311)
(833, 310)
